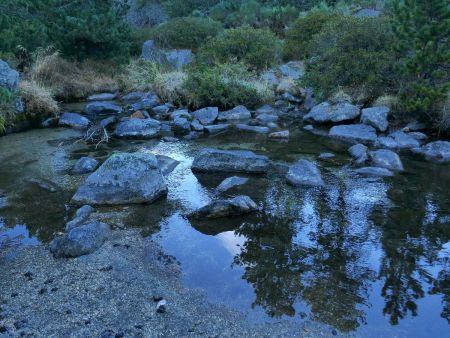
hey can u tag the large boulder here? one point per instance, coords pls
(387, 159)
(84, 165)
(304, 173)
(138, 128)
(293, 69)
(206, 116)
(73, 120)
(237, 113)
(236, 206)
(176, 58)
(123, 178)
(354, 132)
(213, 160)
(81, 240)
(376, 117)
(102, 108)
(326, 112)
(438, 151)
(399, 140)
(9, 78)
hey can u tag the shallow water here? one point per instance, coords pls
(364, 255)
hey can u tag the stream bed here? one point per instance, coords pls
(364, 255)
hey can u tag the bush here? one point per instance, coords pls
(355, 54)
(38, 99)
(187, 33)
(171, 87)
(7, 108)
(139, 75)
(257, 48)
(225, 86)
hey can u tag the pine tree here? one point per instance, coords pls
(423, 30)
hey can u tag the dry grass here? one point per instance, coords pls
(169, 87)
(387, 100)
(138, 75)
(38, 99)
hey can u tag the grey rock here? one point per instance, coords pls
(293, 69)
(237, 113)
(206, 116)
(81, 217)
(308, 127)
(9, 78)
(304, 173)
(193, 135)
(102, 108)
(45, 184)
(161, 306)
(272, 125)
(354, 132)
(266, 118)
(376, 117)
(253, 129)
(197, 126)
(266, 109)
(236, 206)
(326, 112)
(81, 240)
(418, 136)
(374, 171)
(102, 97)
(358, 150)
(176, 58)
(415, 126)
(387, 159)
(181, 126)
(84, 165)
(166, 127)
(291, 98)
(108, 121)
(162, 110)
(166, 164)
(73, 120)
(181, 113)
(150, 52)
(138, 128)
(438, 151)
(146, 103)
(179, 58)
(399, 140)
(231, 182)
(123, 178)
(50, 122)
(217, 128)
(213, 160)
(270, 78)
(133, 97)
(170, 139)
(279, 135)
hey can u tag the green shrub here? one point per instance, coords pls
(225, 86)
(257, 48)
(354, 54)
(302, 31)
(187, 33)
(179, 8)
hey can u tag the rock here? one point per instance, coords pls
(166, 164)
(399, 140)
(375, 171)
(161, 306)
(73, 120)
(9, 78)
(418, 136)
(415, 126)
(133, 97)
(206, 116)
(137, 128)
(84, 165)
(387, 159)
(146, 103)
(224, 208)
(231, 182)
(102, 108)
(359, 153)
(81, 217)
(139, 115)
(81, 240)
(170, 139)
(279, 135)
(272, 125)
(192, 136)
(122, 179)
(197, 126)
(270, 78)
(50, 122)
(326, 112)
(108, 121)
(102, 97)
(367, 13)
(376, 117)
(45, 184)
(266, 109)
(308, 127)
(438, 151)
(266, 118)
(293, 69)
(213, 160)
(176, 58)
(217, 128)
(181, 126)
(304, 173)
(152, 53)
(166, 127)
(354, 132)
(325, 156)
(237, 113)
(287, 86)
(181, 113)
(162, 110)
(291, 98)
(253, 129)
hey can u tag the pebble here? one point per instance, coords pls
(161, 306)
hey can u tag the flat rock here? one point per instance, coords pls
(84, 165)
(326, 112)
(253, 129)
(166, 164)
(237, 113)
(81, 240)
(399, 140)
(213, 160)
(387, 159)
(236, 206)
(73, 120)
(217, 128)
(376, 117)
(138, 128)
(123, 178)
(102, 108)
(374, 171)
(146, 103)
(438, 151)
(231, 182)
(206, 116)
(304, 173)
(102, 97)
(354, 132)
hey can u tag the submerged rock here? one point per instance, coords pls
(231, 182)
(73, 120)
(376, 117)
(81, 240)
(102, 108)
(213, 160)
(207, 115)
(217, 128)
(138, 128)
(122, 179)
(237, 113)
(223, 208)
(304, 173)
(354, 132)
(253, 129)
(438, 151)
(327, 112)
(387, 159)
(375, 171)
(84, 165)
